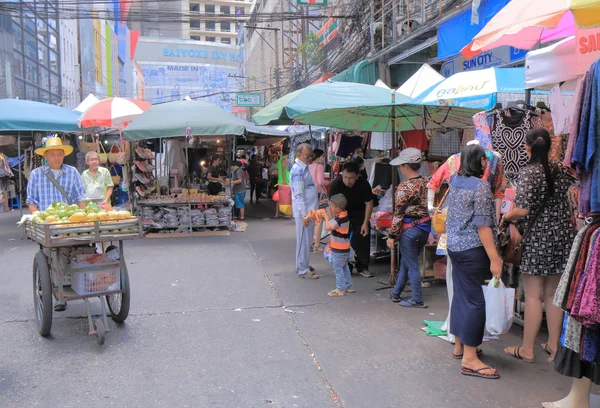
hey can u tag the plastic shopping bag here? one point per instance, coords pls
(499, 307)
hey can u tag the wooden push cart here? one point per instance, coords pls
(68, 268)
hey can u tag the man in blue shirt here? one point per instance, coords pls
(304, 199)
(41, 193)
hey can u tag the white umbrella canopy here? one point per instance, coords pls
(87, 103)
(422, 80)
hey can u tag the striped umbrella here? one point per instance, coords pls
(113, 113)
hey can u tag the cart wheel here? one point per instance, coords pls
(100, 332)
(118, 304)
(42, 294)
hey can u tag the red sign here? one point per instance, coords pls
(588, 45)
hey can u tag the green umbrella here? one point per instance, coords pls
(381, 118)
(173, 119)
(326, 95)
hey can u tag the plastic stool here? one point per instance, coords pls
(14, 202)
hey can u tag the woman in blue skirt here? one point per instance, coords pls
(471, 229)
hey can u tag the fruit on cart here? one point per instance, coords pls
(102, 215)
(51, 219)
(78, 217)
(91, 216)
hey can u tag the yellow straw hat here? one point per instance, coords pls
(54, 143)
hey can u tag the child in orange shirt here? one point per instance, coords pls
(339, 248)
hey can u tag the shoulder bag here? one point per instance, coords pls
(438, 221)
(511, 241)
(58, 186)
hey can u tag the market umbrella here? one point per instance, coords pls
(87, 103)
(326, 95)
(30, 116)
(183, 118)
(475, 89)
(112, 113)
(524, 23)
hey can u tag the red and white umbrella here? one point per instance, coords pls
(113, 113)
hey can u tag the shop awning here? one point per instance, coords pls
(363, 72)
(22, 115)
(457, 32)
(541, 64)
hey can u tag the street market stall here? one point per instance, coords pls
(185, 137)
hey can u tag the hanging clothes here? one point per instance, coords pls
(483, 132)
(577, 103)
(444, 143)
(578, 295)
(348, 144)
(508, 138)
(560, 112)
(416, 139)
(586, 154)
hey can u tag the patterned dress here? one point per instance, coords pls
(546, 250)
(508, 138)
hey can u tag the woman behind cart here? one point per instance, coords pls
(471, 228)
(543, 186)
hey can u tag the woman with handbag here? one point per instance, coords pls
(317, 171)
(542, 203)
(471, 231)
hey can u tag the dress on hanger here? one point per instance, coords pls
(508, 138)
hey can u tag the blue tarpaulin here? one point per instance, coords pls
(457, 32)
(22, 115)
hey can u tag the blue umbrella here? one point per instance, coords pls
(21, 115)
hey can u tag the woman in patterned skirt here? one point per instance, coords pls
(542, 183)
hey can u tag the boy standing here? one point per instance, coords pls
(238, 188)
(339, 244)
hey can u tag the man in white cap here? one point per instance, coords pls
(411, 226)
(55, 181)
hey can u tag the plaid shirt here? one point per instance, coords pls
(42, 193)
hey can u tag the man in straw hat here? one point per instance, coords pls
(41, 191)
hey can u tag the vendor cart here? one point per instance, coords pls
(68, 268)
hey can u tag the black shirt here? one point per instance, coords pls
(214, 173)
(357, 195)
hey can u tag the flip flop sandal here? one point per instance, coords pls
(350, 290)
(140, 191)
(309, 275)
(478, 373)
(336, 293)
(546, 348)
(141, 166)
(517, 354)
(460, 356)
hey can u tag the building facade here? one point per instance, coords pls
(31, 52)
(70, 74)
(217, 20)
(176, 68)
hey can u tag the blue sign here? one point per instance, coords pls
(198, 53)
(517, 54)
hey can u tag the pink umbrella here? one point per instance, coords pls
(524, 23)
(113, 113)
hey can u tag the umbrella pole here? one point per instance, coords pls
(393, 252)
(20, 177)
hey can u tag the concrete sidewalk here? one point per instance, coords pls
(225, 322)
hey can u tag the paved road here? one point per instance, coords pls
(224, 322)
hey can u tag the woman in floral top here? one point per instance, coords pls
(411, 226)
(471, 228)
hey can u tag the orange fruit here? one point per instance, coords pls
(78, 217)
(102, 215)
(51, 219)
(91, 217)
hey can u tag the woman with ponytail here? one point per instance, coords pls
(542, 187)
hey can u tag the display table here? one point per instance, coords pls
(182, 216)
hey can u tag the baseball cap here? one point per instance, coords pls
(408, 155)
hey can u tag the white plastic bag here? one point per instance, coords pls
(499, 307)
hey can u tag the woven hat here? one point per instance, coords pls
(54, 143)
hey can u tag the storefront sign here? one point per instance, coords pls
(588, 45)
(311, 2)
(328, 32)
(495, 58)
(185, 51)
(249, 99)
